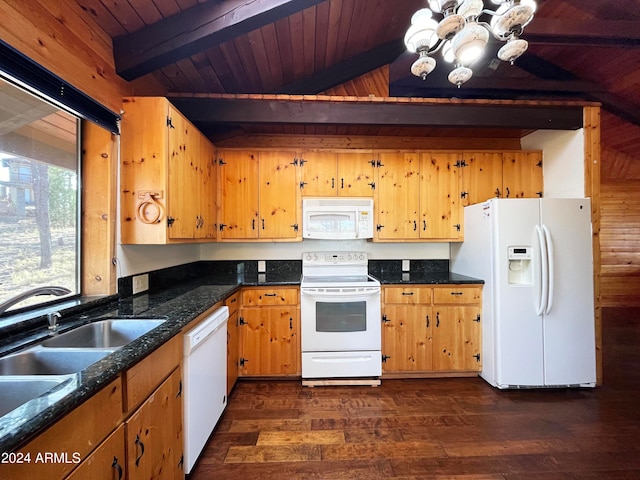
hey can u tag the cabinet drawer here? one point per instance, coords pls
(410, 295)
(146, 375)
(456, 294)
(269, 296)
(233, 302)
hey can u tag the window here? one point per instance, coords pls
(39, 197)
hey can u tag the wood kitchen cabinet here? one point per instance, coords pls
(456, 331)
(487, 175)
(330, 174)
(270, 332)
(78, 432)
(154, 442)
(260, 197)
(397, 202)
(167, 176)
(154, 434)
(107, 462)
(431, 331)
(233, 340)
(416, 197)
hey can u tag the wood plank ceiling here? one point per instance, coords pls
(579, 50)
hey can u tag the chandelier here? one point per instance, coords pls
(462, 38)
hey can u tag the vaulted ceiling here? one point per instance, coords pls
(579, 50)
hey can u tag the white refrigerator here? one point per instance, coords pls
(535, 256)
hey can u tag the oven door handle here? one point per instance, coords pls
(339, 292)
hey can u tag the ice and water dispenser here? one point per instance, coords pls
(520, 267)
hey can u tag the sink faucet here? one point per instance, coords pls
(52, 318)
(57, 291)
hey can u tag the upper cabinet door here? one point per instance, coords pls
(398, 198)
(278, 192)
(319, 174)
(481, 177)
(239, 192)
(522, 174)
(356, 174)
(439, 197)
(184, 189)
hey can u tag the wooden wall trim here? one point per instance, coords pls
(99, 177)
(592, 190)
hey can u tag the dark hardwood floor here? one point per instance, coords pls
(440, 428)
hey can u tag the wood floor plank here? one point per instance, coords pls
(437, 429)
(316, 437)
(273, 453)
(289, 424)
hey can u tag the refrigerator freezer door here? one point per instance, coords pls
(569, 327)
(518, 330)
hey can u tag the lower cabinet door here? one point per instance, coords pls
(107, 462)
(456, 338)
(154, 434)
(407, 338)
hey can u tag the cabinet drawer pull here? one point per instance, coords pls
(407, 293)
(270, 294)
(116, 465)
(139, 443)
(457, 293)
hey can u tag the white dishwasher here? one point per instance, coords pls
(204, 375)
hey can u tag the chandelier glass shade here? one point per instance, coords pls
(461, 35)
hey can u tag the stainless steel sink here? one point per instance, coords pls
(38, 361)
(17, 391)
(112, 333)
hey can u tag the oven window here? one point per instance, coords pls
(341, 317)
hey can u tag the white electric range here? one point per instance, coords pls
(340, 316)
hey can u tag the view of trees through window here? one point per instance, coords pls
(39, 196)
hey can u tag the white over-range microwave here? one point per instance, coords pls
(337, 218)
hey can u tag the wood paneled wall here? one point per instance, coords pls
(374, 83)
(63, 38)
(620, 242)
(620, 232)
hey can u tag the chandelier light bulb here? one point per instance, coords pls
(468, 44)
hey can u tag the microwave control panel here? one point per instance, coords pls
(365, 224)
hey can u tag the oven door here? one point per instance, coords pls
(338, 319)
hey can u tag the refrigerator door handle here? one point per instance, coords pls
(540, 256)
(549, 244)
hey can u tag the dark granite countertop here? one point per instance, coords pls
(426, 278)
(179, 303)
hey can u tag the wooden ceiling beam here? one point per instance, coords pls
(347, 70)
(194, 30)
(568, 31)
(207, 111)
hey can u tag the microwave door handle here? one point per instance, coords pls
(357, 222)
